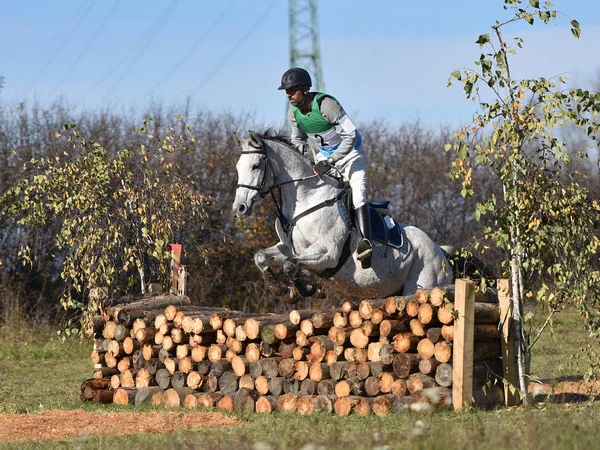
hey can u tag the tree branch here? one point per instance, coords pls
(541, 330)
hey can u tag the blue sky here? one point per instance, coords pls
(383, 59)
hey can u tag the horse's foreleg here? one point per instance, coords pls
(272, 257)
(268, 258)
(310, 258)
(315, 258)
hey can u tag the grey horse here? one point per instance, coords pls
(313, 231)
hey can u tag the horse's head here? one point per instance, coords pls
(252, 170)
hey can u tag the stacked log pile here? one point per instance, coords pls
(376, 356)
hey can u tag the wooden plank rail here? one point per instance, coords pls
(464, 305)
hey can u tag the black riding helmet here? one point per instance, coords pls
(295, 76)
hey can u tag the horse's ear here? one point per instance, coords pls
(237, 140)
(255, 140)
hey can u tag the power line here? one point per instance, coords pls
(193, 48)
(88, 44)
(140, 42)
(221, 63)
(149, 40)
(75, 20)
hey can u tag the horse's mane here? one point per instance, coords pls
(278, 136)
(283, 138)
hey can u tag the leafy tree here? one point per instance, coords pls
(115, 214)
(545, 219)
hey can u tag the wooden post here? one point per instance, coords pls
(182, 281)
(509, 364)
(462, 358)
(175, 267)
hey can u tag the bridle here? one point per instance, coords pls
(262, 192)
(268, 165)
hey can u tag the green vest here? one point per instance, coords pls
(313, 122)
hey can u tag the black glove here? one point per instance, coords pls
(321, 168)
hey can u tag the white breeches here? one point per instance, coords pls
(355, 172)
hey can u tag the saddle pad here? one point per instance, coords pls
(378, 210)
(378, 229)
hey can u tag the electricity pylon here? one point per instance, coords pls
(305, 50)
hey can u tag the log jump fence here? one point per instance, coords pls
(434, 349)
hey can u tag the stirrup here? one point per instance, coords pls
(364, 249)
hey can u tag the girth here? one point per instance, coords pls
(314, 208)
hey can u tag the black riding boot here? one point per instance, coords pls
(364, 250)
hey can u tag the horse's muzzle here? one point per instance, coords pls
(242, 210)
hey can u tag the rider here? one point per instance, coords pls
(319, 118)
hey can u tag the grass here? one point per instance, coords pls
(556, 355)
(38, 373)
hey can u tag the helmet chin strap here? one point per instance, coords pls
(305, 101)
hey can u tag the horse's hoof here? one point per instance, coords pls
(292, 296)
(278, 291)
(275, 287)
(305, 289)
(320, 294)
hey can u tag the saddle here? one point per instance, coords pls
(383, 227)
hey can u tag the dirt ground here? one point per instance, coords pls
(566, 390)
(56, 424)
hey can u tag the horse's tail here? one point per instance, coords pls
(465, 265)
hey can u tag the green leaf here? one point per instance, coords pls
(575, 28)
(483, 39)
(486, 65)
(528, 18)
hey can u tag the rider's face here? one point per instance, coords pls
(297, 95)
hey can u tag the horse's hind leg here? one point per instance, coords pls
(425, 276)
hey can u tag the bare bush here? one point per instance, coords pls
(407, 164)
